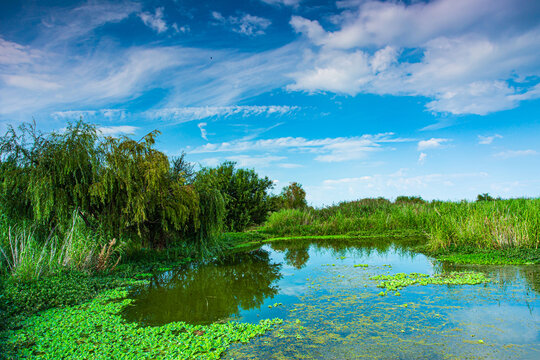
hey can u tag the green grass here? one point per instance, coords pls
(499, 224)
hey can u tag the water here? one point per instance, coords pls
(332, 310)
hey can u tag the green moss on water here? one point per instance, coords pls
(400, 280)
(96, 330)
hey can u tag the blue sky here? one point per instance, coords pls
(353, 99)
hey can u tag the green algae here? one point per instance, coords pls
(96, 330)
(400, 280)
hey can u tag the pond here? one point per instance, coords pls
(332, 309)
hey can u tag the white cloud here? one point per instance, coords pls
(33, 82)
(432, 143)
(258, 161)
(154, 21)
(486, 140)
(293, 3)
(326, 150)
(90, 115)
(203, 130)
(422, 158)
(190, 113)
(181, 29)
(515, 153)
(431, 185)
(117, 130)
(249, 25)
(467, 53)
(12, 53)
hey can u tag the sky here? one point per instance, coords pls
(351, 98)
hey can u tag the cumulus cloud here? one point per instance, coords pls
(467, 54)
(326, 150)
(515, 153)
(432, 143)
(486, 140)
(154, 21)
(249, 25)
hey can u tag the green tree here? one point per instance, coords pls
(245, 193)
(293, 196)
(45, 177)
(138, 192)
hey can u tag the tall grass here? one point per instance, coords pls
(25, 256)
(487, 224)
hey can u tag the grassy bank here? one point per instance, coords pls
(506, 230)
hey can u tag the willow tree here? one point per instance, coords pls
(45, 177)
(137, 193)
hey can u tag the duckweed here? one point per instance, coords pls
(96, 330)
(400, 280)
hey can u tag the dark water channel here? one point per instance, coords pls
(332, 310)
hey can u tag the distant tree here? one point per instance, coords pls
(409, 200)
(484, 197)
(293, 196)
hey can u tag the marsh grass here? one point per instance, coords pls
(488, 224)
(25, 256)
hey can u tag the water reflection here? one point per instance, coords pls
(207, 293)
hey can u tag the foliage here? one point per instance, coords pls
(45, 177)
(410, 200)
(486, 197)
(102, 332)
(293, 197)
(27, 258)
(491, 225)
(246, 197)
(398, 281)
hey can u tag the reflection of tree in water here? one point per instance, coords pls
(208, 293)
(297, 251)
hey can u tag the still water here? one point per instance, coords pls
(331, 309)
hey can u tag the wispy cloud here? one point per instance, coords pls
(422, 158)
(203, 130)
(326, 150)
(117, 130)
(515, 153)
(432, 143)
(154, 21)
(293, 3)
(249, 25)
(191, 113)
(90, 115)
(486, 140)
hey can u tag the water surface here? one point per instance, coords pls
(332, 310)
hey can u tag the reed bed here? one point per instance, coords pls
(486, 224)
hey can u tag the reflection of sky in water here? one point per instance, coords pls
(338, 305)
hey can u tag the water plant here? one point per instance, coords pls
(101, 332)
(398, 281)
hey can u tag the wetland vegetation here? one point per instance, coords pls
(152, 258)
